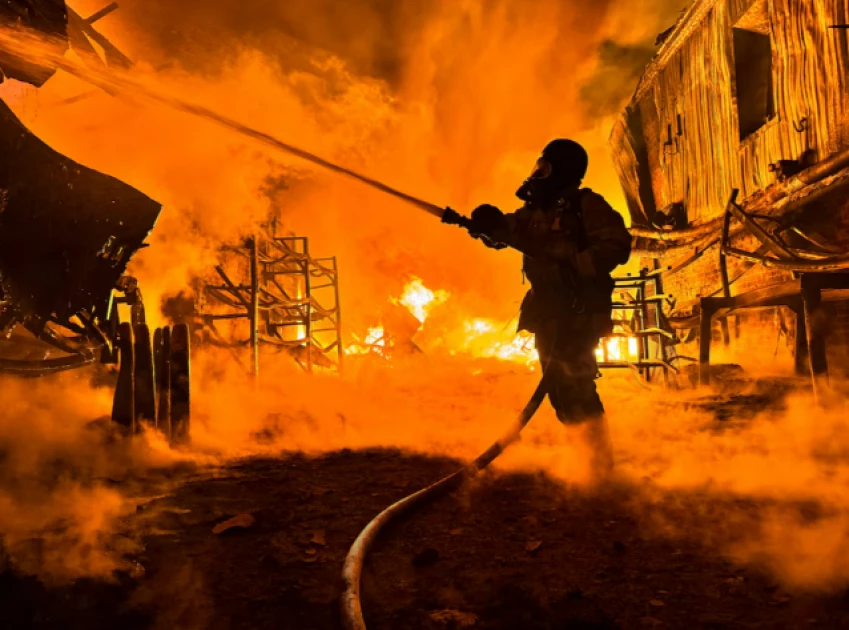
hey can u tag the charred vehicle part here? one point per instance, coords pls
(67, 234)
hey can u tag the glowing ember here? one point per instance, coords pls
(521, 349)
(376, 337)
(480, 326)
(419, 300)
(618, 349)
(375, 342)
(485, 338)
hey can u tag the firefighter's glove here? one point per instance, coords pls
(486, 220)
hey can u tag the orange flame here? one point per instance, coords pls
(420, 300)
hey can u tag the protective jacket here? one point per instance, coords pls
(570, 248)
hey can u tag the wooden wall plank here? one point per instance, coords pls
(811, 81)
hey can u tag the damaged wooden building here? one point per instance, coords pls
(733, 155)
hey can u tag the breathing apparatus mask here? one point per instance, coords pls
(563, 164)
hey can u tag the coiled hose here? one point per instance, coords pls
(352, 610)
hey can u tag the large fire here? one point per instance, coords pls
(618, 348)
(420, 300)
(478, 337)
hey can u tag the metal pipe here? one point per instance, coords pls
(253, 311)
(308, 294)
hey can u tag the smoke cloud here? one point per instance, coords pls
(62, 465)
(452, 102)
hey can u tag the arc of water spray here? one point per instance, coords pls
(36, 48)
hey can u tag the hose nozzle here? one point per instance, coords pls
(452, 217)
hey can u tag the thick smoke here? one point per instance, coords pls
(62, 465)
(451, 101)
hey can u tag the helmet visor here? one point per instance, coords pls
(542, 169)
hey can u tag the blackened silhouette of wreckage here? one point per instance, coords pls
(67, 234)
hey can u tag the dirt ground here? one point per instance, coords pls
(510, 551)
(514, 551)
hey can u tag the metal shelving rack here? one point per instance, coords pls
(289, 299)
(638, 314)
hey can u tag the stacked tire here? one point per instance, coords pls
(154, 376)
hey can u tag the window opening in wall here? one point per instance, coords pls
(753, 66)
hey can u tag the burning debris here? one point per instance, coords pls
(404, 317)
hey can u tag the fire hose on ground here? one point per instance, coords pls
(352, 609)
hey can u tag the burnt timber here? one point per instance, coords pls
(733, 155)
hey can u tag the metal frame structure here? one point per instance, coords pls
(804, 296)
(819, 275)
(284, 295)
(638, 313)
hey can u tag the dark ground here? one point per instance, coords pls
(514, 551)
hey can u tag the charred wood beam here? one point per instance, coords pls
(788, 259)
(723, 260)
(686, 235)
(811, 175)
(705, 339)
(794, 210)
(825, 265)
(823, 169)
(113, 55)
(814, 327)
(800, 359)
(766, 239)
(99, 15)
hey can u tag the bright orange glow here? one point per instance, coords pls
(374, 342)
(477, 337)
(444, 127)
(485, 338)
(612, 349)
(419, 300)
